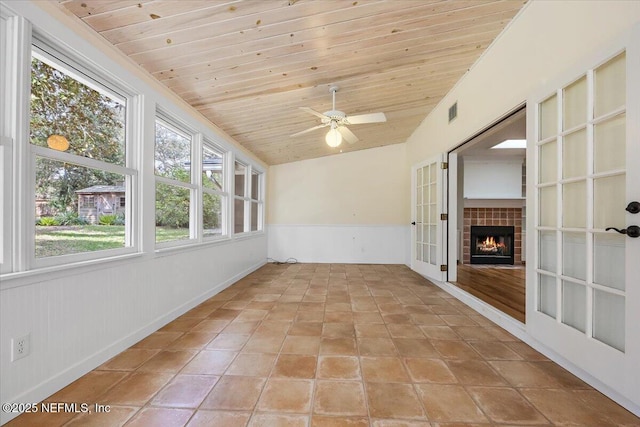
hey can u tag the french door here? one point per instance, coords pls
(427, 195)
(583, 276)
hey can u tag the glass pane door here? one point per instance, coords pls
(581, 190)
(427, 247)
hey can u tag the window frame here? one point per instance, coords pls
(81, 70)
(8, 96)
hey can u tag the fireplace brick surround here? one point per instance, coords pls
(492, 216)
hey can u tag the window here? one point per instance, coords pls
(87, 202)
(214, 196)
(77, 161)
(239, 203)
(78, 146)
(174, 187)
(256, 201)
(248, 203)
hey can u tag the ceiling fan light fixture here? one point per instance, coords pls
(333, 138)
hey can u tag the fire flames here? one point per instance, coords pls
(489, 245)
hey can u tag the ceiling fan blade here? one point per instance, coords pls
(347, 135)
(310, 129)
(314, 112)
(366, 118)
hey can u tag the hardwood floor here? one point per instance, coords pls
(503, 287)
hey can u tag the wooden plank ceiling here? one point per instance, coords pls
(248, 65)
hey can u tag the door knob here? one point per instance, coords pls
(413, 223)
(631, 231)
(633, 207)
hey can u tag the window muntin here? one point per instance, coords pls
(89, 120)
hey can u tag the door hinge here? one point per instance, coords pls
(444, 217)
(443, 267)
(444, 165)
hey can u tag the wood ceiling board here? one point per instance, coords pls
(290, 68)
(141, 20)
(357, 93)
(84, 8)
(396, 56)
(240, 91)
(245, 30)
(208, 16)
(305, 32)
(235, 59)
(262, 14)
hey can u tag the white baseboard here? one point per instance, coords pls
(519, 330)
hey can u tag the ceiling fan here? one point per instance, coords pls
(338, 121)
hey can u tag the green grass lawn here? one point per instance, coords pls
(65, 240)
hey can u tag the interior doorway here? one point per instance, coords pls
(490, 203)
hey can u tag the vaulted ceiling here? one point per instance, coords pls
(248, 65)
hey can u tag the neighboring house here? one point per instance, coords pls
(99, 200)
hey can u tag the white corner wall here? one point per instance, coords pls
(350, 207)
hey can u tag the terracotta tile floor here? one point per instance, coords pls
(332, 345)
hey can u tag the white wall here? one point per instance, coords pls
(492, 179)
(79, 316)
(350, 207)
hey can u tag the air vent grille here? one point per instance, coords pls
(453, 112)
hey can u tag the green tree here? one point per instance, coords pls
(92, 122)
(172, 160)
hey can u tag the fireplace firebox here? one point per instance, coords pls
(492, 244)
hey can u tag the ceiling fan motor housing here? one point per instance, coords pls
(334, 115)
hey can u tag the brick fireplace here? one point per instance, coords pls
(492, 217)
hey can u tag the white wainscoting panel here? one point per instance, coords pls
(352, 244)
(79, 320)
